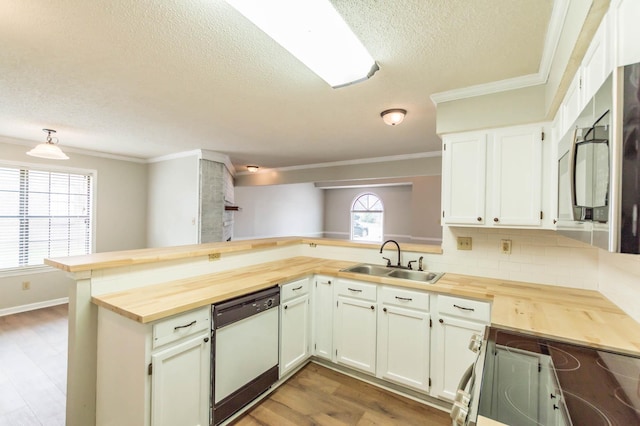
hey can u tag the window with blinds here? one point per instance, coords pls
(43, 214)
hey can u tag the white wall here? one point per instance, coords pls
(278, 210)
(120, 216)
(411, 211)
(619, 280)
(173, 195)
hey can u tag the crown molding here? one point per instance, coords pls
(552, 38)
(348, 162)
(201, 154)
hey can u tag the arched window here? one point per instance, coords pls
(366, 218)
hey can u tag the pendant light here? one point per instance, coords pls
(49, 149)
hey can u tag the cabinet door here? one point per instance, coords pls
(180, 383)
(294, 333)
(573, 102)
(597, 64)
(323, 317)
(452, 355)
(517, 176)
(463, 180)
(355, 334)
(403, 346)
(627, 31)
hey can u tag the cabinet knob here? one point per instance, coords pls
(285, 306)
(479, 219)
(555, 221)
(384, 309)
(441, 321)
(495, 219)
(206, 339)
(373, 307)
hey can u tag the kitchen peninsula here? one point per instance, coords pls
(151, 284)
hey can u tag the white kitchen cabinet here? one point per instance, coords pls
(180, 383)
(517, 176)
(355, 325)
(153, 374)
(458, 320)
(404, 337)
(627, 31)
(493, 178)
(463, 180)
(322, 318)
(295, 325)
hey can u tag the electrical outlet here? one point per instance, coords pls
(464, 243)
(505, 246)
(214, 256)
(26, 285)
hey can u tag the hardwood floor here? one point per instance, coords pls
(319, 396)
(33, 373)
(33, 367)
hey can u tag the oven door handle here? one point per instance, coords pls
(465, 378)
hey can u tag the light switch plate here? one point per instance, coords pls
(464, 243)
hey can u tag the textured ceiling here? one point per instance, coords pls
(148, 78)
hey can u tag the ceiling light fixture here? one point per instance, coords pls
(252, 169)
(49, 149)
(392, 117)
(313, 32)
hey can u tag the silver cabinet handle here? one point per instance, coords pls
(354, 289)
(406, 299)
(184, 326)
(463, 308)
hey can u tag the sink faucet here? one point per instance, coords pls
(397, 245)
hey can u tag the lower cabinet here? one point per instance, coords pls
(295, 325)
(154, 374)
(355, 325)
(404, 337)
(458, 320)
(322, 318)
(179, 394)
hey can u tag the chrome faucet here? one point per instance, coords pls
(388, 260)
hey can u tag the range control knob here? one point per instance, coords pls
(269, 303)
(459, 414)
(475, 343)
(463, 397)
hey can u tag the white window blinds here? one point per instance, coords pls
(43, 214)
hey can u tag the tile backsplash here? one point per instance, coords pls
(539, 256)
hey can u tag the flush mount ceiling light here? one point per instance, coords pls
(313, 32)
(393, 116)
(49, 149)
(252, 169)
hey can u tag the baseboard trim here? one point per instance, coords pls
(33, 306)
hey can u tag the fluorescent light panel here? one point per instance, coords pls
(313, 32)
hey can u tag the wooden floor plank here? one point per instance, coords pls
(319, 396)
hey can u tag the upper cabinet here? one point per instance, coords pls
(493, 177)
(625, 14)
(592, 73)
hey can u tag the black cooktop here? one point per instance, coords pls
(530, 380)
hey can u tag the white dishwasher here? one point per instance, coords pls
(244, 352)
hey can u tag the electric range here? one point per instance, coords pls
(529, 380)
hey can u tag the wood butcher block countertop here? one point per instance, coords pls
(575, 315)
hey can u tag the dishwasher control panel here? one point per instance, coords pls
(242, 307)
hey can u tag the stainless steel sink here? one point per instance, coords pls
(425, 277)
(369, 269)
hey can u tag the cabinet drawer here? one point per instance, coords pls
(405, 298)
(465, 308)
(357, 290)
(294, 289)
(182, 325)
